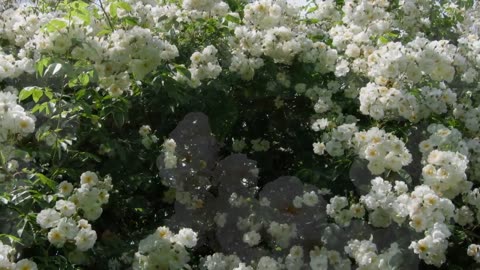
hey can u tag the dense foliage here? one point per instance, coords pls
(202, 134)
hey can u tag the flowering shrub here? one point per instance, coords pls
(267, 135)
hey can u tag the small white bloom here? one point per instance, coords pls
(297, 202)
(48, 218)
(65, 188)
(186, 237)
(67, 208)
(89, 179)
(85, 239)
(26, 264)
(56, 237)
(310, 198)
(252, 238)
(319, 148)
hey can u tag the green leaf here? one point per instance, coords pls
(11, 238)
(184, 71)
(79, 94)
(55, 25)
(119, 118)
(312, 9)
(37, 94)
(383, 40)
(104, 32)
(42, 107)
(46, 181)
(233, 19)
(3, 160)
(25, 93)
(130, 20)
(113, 9)
(84, 79)
(41, 64)
(49, 94)
(80, 10)
(124, 6)
(42, 132)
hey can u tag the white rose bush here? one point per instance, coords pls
(239, 135)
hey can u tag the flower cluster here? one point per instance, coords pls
(165, 250)
(382, 102)
(339, 139)
(260, 145)
(18, 25)
(382, 200)
(294, 260)
(6, 256)
(13, 117)
(384, 151)
(170, 159)
(366, 255)
(322, 258)
(136, 51)
(65, 222)
(474, 251)
(445, 173)
(12, 67)
(432, 248)
(204, 66)
(337, 209)
(365, 75)
(444, 139)
(147, 138)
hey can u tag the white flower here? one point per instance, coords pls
(25, 264)
(320, 124)
(56, 237)
(65, 188)
(238, 145)
(144, 130)
(432, 248)
(26, 124)
(357, 210)
(252, 238)
(352, 50)
(464, 215)
(267, 263)
(83, 224)
(242, 266)
(186, 237)
(48, 218)
(169, 145)
(418, 222)
(68, 227)
(67, 208)
(92, 211)
(334, 148)
(89, 179)
(282, 233)
(220, 219)
(318, 148)
(473, 250)
(12, 165)
(297, 202)
(164, 233)
(310, 198)
(85, 239)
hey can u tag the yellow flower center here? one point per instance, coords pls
(23, 124)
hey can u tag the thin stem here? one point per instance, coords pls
(106, 15)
